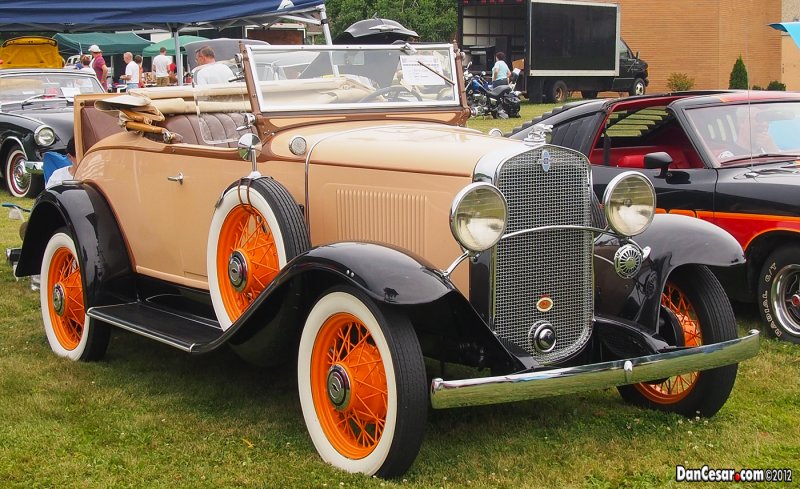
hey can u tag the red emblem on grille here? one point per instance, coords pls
(544, 304)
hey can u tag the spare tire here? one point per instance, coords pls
(256, 229)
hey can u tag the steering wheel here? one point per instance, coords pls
(395, 89)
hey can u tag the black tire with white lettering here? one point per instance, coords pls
(779, 293)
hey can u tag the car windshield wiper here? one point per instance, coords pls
(41, 96)
(759, 155)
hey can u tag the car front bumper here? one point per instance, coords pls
(532, 385)
(34, 167)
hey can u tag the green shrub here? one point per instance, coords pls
(738, 75)
(757, 87)
(776, 85)
(678, 82)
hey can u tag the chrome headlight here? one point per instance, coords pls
(44, 136)
(630, 203)
(478, 216)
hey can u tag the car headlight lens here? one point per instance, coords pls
(478, 216)
(44, 136)
(630, 203)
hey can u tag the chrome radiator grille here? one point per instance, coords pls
(555, 264)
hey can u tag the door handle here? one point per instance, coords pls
(177, 178)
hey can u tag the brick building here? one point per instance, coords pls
(703, 38)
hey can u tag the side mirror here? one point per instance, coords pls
(249, 147)
(637, 55)
(660, 159)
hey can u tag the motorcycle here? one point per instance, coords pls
(500, 102)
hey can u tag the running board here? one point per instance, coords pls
(184, 332)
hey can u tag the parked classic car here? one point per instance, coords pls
(36, 117)
(730, 158)
(329, 209)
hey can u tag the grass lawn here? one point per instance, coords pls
(151, 416)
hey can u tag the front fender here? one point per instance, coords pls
(102, 254)
(447, 326)
(673, 241)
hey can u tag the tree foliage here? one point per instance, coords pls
(739, 75)
(679, 82)
(433, 20)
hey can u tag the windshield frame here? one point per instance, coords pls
(453, 102)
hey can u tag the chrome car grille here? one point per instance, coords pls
(554, 264)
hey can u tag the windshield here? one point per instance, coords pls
(31, 86)
(736, 133)
(352, 77)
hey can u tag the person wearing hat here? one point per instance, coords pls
(99, 66)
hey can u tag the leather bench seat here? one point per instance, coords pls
(214, 129)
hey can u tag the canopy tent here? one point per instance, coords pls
(109, 43)
(170, 15)
(791, 28)
(154, 49)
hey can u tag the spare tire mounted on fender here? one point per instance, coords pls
(256, 229)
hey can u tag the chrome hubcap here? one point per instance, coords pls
(338, 387)
(785, 298)
(21, 177)
(58, 299)
(237, 270)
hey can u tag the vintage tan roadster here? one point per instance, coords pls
(327, 207)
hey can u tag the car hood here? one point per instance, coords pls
(60, 119)
(405, 146)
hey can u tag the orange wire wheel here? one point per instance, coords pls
(675, 389)
(65, 307)
(362, 384)
(247, 258)
(348, 386)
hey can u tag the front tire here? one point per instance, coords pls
(705, 315)
(255, 231)
(362, 385)
(779, 293)
(19, 182)
(70, 332)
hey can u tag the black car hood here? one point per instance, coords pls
(61, 119)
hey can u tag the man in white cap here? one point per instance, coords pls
(99, 66)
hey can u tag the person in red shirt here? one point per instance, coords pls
(99, 66)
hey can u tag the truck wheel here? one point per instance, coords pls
(637, 88)
(256, 229)
(779, 293)
(587, 94)
(705, 315)
(70, 332)
(362, 385)
(558, 92)
(19, 182)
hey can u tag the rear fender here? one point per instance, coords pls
(673, 241)
(102, 254)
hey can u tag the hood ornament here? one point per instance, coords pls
(539, 135)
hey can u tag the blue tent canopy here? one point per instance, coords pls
(792, 28)
(172, 15)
